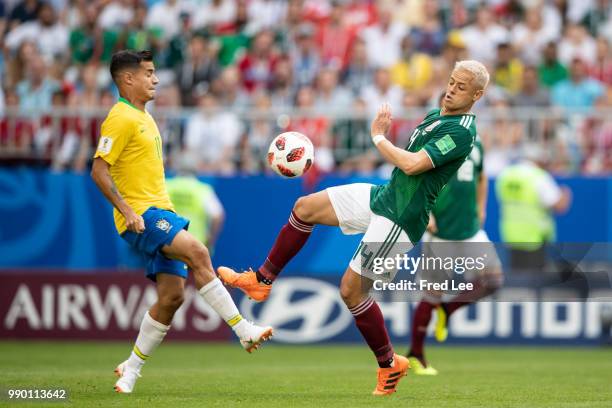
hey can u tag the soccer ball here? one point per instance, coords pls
(291, 154)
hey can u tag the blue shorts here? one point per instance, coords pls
(161, 226)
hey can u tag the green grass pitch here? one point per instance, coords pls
(223, 375)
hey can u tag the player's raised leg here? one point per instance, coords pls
(188, 249)
(308, 210)
(354, 290)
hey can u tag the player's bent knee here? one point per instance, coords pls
(203, 275)
(303, 209)
(198, 255)
(172, 301)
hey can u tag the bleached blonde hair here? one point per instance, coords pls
(477, 69)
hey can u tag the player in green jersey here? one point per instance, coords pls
(393, 216)
(455, 231)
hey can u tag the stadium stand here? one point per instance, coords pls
(252, 68)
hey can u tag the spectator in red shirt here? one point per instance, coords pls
(315, 125)
(334, 37)
(360, 14)
(66, 132)
(601, 69)
(257, 66)
(16, 133)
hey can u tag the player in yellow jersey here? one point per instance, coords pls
(128, 169)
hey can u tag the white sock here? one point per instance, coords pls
(150, 336)
(215, 294)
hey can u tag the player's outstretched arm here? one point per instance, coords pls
(408, 162)
(100, 173)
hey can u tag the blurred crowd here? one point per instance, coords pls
(234, 73)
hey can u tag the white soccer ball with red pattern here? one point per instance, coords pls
(291, 154)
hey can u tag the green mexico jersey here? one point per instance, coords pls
(456, 209)
(408, 199)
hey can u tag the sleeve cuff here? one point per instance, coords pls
(429, 155)
(104, 157)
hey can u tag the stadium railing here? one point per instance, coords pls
(65, 138)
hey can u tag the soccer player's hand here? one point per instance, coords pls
(382, 121)
(134, 222)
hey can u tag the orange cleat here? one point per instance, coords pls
(389, 377)
(246, 282)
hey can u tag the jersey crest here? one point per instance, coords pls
(163, 225)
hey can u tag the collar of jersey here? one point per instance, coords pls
(122, 99)
(460, 114)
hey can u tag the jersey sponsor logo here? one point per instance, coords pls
(432, 126)
(445, 144)
(105, 145)
(163, 225)
(302, 310)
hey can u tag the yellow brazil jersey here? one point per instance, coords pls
(131, 144)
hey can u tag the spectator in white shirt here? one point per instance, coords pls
(266, 13)
(383, 40)
(382, 91)
(483, 37)
(47, 33)
(577, 43)
(331, 97)
(530, 37)
(166, 15)
(212, 137)
(228, 87)
(214, 13)
(36, 89)
(116, 15)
